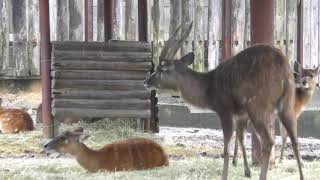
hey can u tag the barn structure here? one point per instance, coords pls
(104, 78)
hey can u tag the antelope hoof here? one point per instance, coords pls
(247, 173)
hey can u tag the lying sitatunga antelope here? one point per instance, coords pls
(14, 120)
(303, 94)
(256, 83)
(130, 154)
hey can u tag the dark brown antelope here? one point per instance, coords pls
(130, 154)
(257, 82)
(304, 92)
(14, 120)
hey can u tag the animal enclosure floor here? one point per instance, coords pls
(193, 154)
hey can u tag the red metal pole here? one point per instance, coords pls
(88, 28)
(143, 20)
(45, 62)
(226, 20)
(300, 32)
(261, 32)
(108, 8)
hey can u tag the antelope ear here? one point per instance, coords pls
(78, 130)
(318, 69)
(297, 67)
(187, 59)
(83, 137)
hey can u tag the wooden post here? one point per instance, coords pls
(314, 33)
(300, 33)
(88, 20)
(261, 32)
(117, 19)
(226, 20)
(291, 33)
(130, 20)
(238, 26)
(156, 32)
(20, 38)
(143, 20)
(62, 28)
(280, 27)
(174, 15)
(198, 14)
(247, 28)
(76, 10)
(33, 37)
(100, 21)
(108, 16)
(214, 33)
(4, 36)
(186, 18)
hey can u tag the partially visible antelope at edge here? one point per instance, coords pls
(256, 83)
(304, 92)
(130, 154)
(14, 120)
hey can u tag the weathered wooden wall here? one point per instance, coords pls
(67, 23)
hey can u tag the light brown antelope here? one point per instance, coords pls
(14, 120)
(130, 154)
(257, 82)
(304, 92)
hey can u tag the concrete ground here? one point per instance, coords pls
(175, 113)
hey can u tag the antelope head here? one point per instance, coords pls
(305, 78)
(169, 72)
(67, 142)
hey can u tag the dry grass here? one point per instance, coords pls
(186, 162)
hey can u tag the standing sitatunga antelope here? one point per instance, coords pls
(130, 154)
(14, 120)
(256, 83)
(303, 94)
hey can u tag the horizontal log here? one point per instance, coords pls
(129, 104)
(100, 65)
(84, 112)
(98, 74)
(133, 46)
(102, 56)
(96, 94)
(98, 84)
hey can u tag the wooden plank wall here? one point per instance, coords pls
(67, 23)
(118, 68)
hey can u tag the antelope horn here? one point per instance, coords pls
(172, 45)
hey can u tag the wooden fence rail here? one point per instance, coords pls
(19, 30)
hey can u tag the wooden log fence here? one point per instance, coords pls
(107, 85)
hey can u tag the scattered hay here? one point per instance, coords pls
(185, 162)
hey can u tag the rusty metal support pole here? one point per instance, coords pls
(88, 18)
(300, 32)
(108, 4)
(143, 20)
(45, 63)
(261, 32)
(226, 21)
